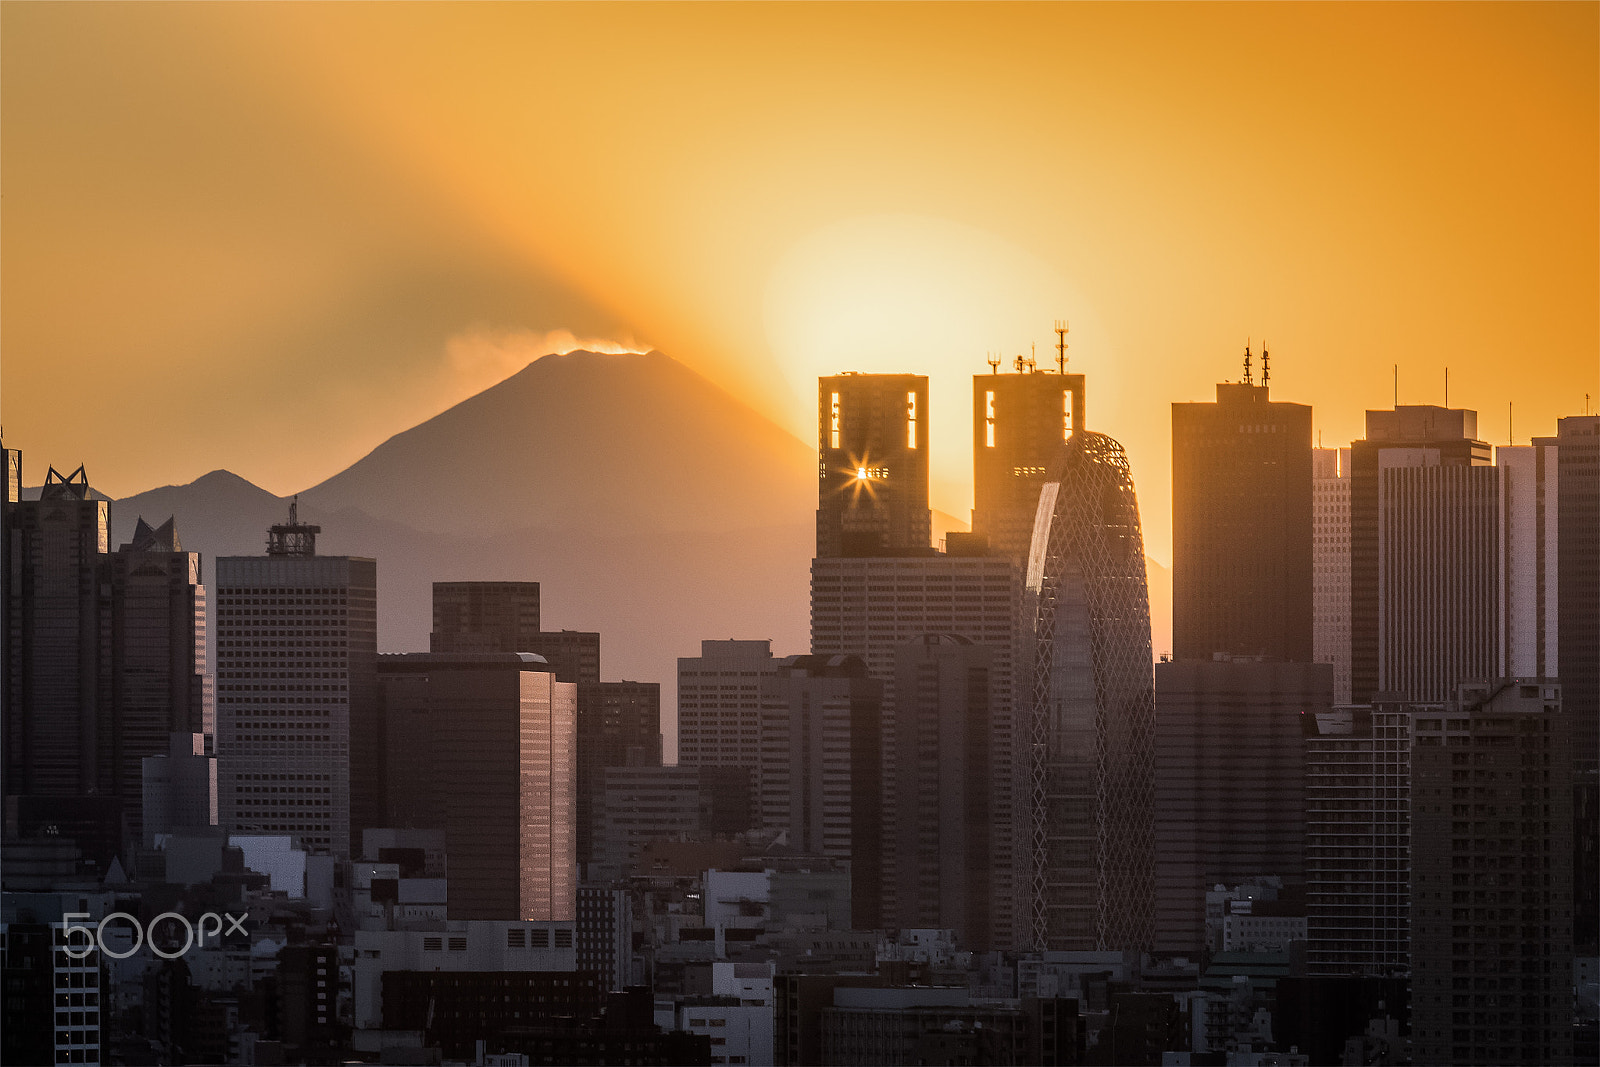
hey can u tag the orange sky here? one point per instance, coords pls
(265, 237)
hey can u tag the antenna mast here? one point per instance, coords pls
(1061, 345)
(1266, 372)
(1247, 378)
(993, 361)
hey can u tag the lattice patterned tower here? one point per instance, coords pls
(1093, 707)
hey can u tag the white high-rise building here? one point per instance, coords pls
(296, 692)
(1529, 619)
(1330, 565)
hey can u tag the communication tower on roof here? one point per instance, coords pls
(1061, 345)
(293, 538)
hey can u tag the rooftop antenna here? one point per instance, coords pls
(1247, 379)
(1266, 372)
(1061, 347)
(1586, 403)
(993, 361)
(1019, 362)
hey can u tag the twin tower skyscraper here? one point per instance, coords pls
(1049, 756)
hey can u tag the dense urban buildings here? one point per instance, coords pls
(298, 738)
(965, 825)
(1093, 713)
(1330, 564)
(484, 747)
(1241, 525)
(1229, 782)
(104, 657)
(1019, 423)
(872, 497)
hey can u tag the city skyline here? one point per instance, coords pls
(1292, 174)
(381, 363)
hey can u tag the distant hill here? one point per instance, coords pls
(648, 503)
(614, 445)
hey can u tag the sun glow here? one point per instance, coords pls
(910, 294)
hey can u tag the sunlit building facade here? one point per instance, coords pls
(1019, 423)
(873, 465)
(484, 747)
(1330, 565)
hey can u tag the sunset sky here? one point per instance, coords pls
(267, 236)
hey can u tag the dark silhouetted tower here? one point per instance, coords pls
(1424, 554)
(872, 488)
(484, 747)
(1019, 423)
(1578, 638)
(1241, 526)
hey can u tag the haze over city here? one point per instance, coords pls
(276, 235)
(781, 534)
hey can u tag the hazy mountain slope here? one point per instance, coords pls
(616, 445)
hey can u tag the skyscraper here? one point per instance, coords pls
(619, 725)
(54, 639)
(871, 607)
(820, 766)
(876, 584)
(1330, 565)
(1424, 566)
(1578, 651)
(1230, 782)
(872, 498)
(1019, 422)
(1491, 876)
(298, 740)
(939, 752)
(484, 747)
(1093, 720)
(104, 658)
(1358, 838)
(157, 663)
(1241, 525)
